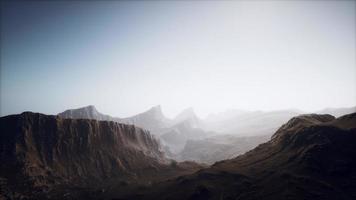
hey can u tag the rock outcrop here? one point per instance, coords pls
(43, 151)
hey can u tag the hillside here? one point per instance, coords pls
(309, 157)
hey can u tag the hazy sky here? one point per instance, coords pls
(125, 57)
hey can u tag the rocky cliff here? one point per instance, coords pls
(39, 151)
(152, 119)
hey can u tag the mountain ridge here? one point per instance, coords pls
(313, 160)
(40, 153)
(152, 119)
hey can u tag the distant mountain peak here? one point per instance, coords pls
(152, 119)
(155, 111)
(186, 114)
(86, 112)
(156, 108)
(92, 107)
(189, 110)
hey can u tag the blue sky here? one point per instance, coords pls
(124, 57)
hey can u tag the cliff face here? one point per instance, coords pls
(48, 149)
(152, 120)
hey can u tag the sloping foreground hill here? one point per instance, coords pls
(310, 157)
(42, 155)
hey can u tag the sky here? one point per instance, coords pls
(127, 56)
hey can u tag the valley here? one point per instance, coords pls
(85, 154)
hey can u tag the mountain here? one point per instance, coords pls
(236, 132)
(189, 116)
(173, 133)
(88, 112)
(309, 157)
(152, 119)
(221, 147)
(225, 115)
(176, 136)
(337, 112)
(251, 123)
(43, 155)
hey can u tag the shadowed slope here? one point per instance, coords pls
(310, 157)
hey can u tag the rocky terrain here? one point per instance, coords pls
(44, 156)
(219, 136)
(309, 157)
(152, 119)
(173, 132)
(48, 157)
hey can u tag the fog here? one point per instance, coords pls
(125, 57)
